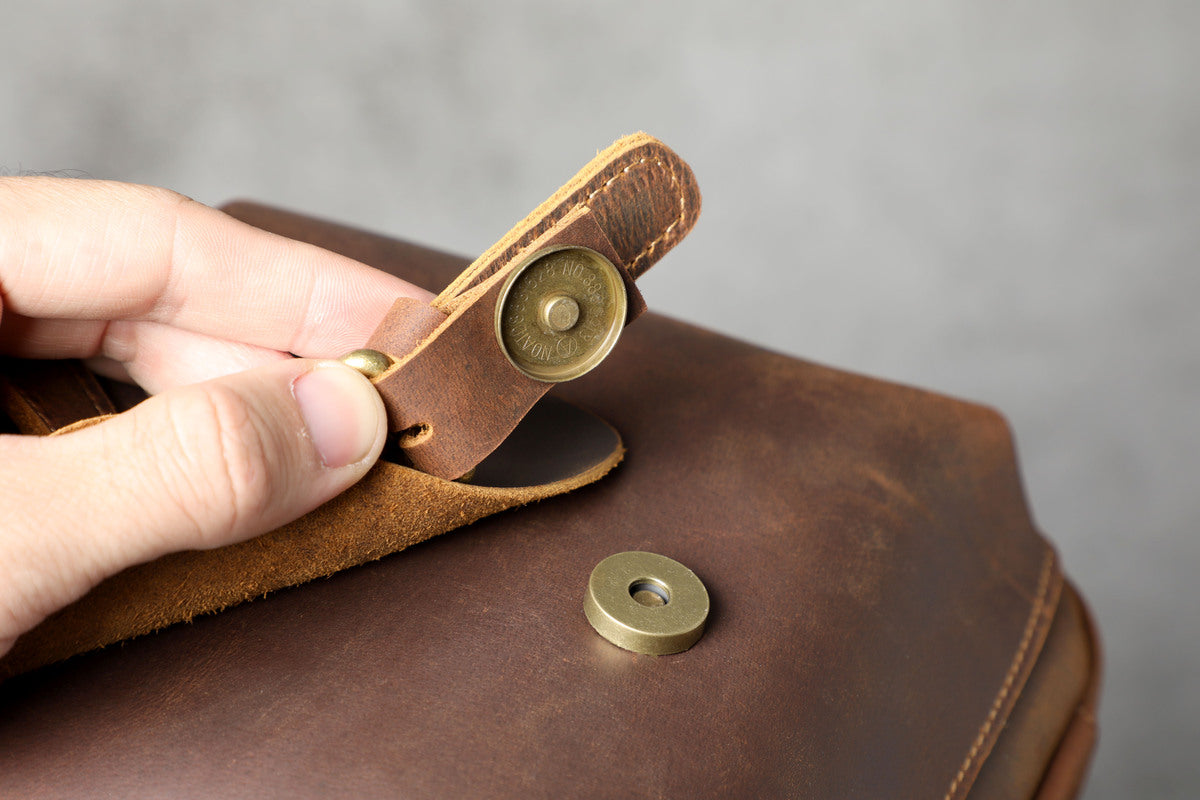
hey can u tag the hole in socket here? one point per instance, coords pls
(649, 592)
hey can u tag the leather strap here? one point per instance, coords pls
(455, 396)
(451, 390)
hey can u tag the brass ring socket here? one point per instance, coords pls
(560, 313)
(646, 603)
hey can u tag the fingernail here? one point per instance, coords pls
(341, 410)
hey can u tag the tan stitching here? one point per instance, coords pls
(534, 233)
(454, 290)
(667, 231)
(1030, 626)
(610, 182)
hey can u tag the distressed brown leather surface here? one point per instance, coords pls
(880, 599)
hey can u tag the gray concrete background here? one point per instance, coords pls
(999, 201)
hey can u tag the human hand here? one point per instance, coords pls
(203, 312)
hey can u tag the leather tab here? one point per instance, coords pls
(455, 395)
(408, 323)
(452, 391)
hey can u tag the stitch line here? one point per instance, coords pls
(667, 231)
(1030, 626)
(533, 234)
(456, 288)
(610, 182)
(604, 187)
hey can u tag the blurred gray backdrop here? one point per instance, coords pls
(998, 201)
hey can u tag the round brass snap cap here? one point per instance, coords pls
(371, 363)
(646, 603)
(560, 313)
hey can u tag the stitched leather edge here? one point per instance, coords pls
(667, 230)
(1036, 627)
(591, 182)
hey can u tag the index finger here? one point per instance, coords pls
(101, 250)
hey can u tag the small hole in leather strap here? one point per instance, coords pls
(410, 437)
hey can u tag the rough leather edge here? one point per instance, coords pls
(595, 179)
(1041, 615)
(1067, 771)
(392, 508)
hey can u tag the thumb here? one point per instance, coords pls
(196, 467)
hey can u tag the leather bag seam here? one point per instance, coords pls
(1014, 669)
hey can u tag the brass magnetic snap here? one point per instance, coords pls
(560, 313)
(371, 363)
(646, 603)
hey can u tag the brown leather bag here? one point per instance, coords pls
(885, 620)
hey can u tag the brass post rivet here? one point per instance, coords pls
(371, 363)
(646, 603)
(560, 313)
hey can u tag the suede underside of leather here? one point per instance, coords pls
(392, 508)
(881, 603)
